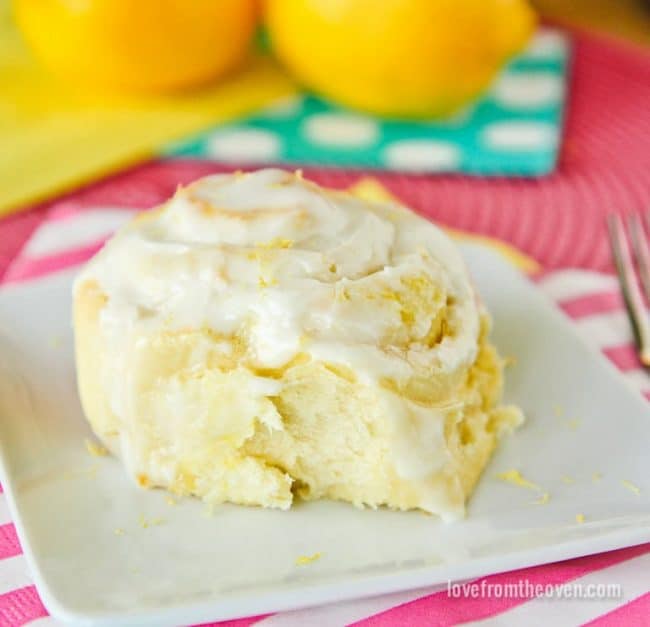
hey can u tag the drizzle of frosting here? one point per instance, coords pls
(295, 268)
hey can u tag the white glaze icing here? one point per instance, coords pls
(291, 268)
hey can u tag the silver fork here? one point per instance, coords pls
(627, 261)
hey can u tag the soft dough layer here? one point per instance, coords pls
(259, 337)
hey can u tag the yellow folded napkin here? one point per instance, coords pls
(54, 135)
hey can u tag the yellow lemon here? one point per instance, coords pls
(405, 58)
(141, 45)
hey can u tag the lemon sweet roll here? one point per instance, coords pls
(258, 338)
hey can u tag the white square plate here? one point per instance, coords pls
(194, 567)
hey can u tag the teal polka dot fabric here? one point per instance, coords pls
(514, 130)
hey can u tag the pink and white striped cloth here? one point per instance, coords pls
(70, 232)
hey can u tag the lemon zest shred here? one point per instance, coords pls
(303, 560)
(96, 450)
(514, 477)
(630, 486)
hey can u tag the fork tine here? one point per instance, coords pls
(629, 287)
(641, 252)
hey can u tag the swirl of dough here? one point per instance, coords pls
(288, 267)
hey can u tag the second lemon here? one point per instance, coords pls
(404, 58)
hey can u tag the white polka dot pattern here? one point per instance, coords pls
(422, 155)
(343, 130)
(520, 136)
(528, 90)
(547, 44)
(245, 145)
(512, 129)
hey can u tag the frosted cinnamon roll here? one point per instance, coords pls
(258, 338)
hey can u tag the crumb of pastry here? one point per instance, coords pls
(95, 449)
(170, 500)
(567, 479)
(596, 477)
(514, 477)
(303, 560)
(558, 410)
(264, 282)
(145, 523)
(630, 486)
(118, 531)
(580, 518)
